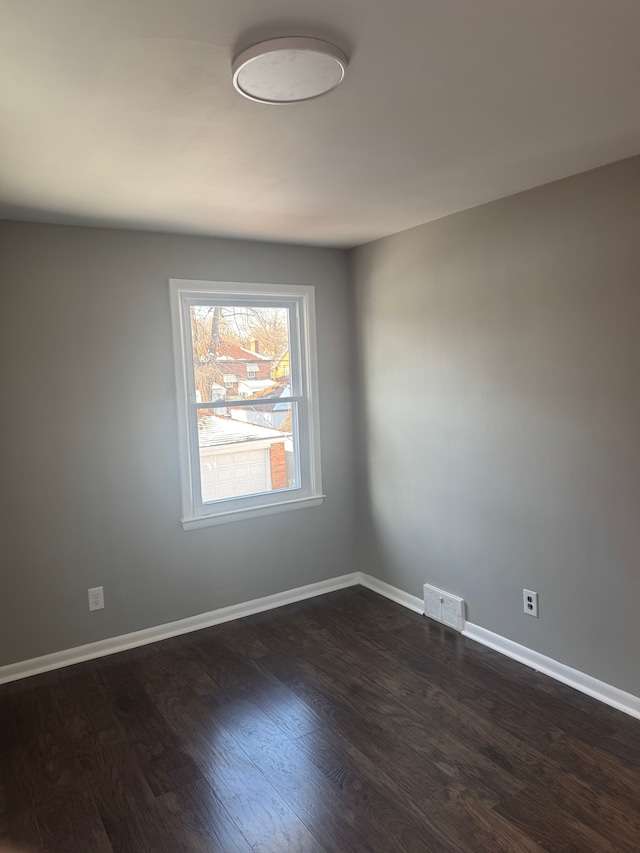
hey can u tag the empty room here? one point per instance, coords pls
(320, 458)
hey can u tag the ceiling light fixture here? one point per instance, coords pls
(288, 70)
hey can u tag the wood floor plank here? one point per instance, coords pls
(422, 725)
(555, 830)
(192, 804)
(402, 683)
(227, 669)
(340, 724)
(75, 826)
(50, 763)
(393, 814)
(244, 641)
(18, 823)
(521, 690)
(122, 795)
(382, 745)
(264, 818)
(471, 661)
(339, 821)
(424, 732)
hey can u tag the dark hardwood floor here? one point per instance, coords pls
(344, 723)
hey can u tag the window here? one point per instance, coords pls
(257, 452)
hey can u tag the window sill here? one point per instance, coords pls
(251, 512)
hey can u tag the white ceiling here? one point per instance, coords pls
(122, 112)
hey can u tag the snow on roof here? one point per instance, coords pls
(255, 385)
(278, 388)
(214, 430)
(254, 354)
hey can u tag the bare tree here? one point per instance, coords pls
(205, 337)
(213, 326)
(268, 326)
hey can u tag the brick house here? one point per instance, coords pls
(240, 371)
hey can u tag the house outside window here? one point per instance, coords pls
(252, 448)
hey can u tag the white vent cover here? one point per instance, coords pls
(446, 608)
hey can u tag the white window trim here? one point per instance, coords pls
(237, 509)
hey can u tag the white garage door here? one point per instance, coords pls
(229, 474)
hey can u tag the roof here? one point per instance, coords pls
(255, 385)
(279, 388)
(234, 352)
(215, 430)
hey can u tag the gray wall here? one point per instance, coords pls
(89, 460)
(500, 423)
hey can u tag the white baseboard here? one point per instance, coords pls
(67, 657)
(606, 693)
(399, 596)
(600, 690)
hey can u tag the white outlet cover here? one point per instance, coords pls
(96, 598)
(530, 602)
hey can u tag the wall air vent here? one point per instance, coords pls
(444, 607)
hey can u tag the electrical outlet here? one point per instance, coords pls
(96, 598)
(530, 601)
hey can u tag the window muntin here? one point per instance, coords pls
(246, 442)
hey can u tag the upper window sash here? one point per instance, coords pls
(293, 306)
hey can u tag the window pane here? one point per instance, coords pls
(247, 450)
(239, 351)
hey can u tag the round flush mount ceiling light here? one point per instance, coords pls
(288, 70)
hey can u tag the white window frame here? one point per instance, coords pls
(301, 300)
